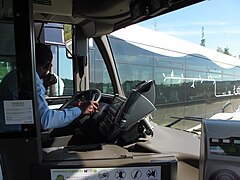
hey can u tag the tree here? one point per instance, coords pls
(224, 50)
(3, 69)
(67, 32)
(203, 40)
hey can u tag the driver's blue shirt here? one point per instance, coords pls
(53, 118)
(49, 118)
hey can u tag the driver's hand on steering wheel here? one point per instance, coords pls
(89, 107)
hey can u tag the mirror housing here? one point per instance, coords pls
(94, 29)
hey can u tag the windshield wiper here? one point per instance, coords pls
(178, 119)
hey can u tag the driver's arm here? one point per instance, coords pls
(53, 118)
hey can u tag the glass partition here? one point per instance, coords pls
(8, 78)
(16, 88)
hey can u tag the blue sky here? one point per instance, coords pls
(219, 18)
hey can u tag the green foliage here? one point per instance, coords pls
(224, 50)
(67, 32)
(3, 70)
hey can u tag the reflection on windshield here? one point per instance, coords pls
(194, 82)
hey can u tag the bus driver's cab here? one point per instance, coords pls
(110, 142)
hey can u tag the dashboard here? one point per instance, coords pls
(119, 120)
(125, 120)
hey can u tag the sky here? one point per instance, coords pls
(218, 20)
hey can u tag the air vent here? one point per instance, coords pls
(43, 2)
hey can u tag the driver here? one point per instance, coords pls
(50, 118)
(55, 118)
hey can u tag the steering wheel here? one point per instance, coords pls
(91, 94)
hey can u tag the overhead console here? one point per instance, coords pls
(124, 115)
(105, 15)
(140, 9)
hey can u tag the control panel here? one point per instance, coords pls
(107, 125)
(220, 150)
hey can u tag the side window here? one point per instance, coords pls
(99, 76)
(54, 35)
(62, 69)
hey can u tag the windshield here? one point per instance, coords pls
(193, 81)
